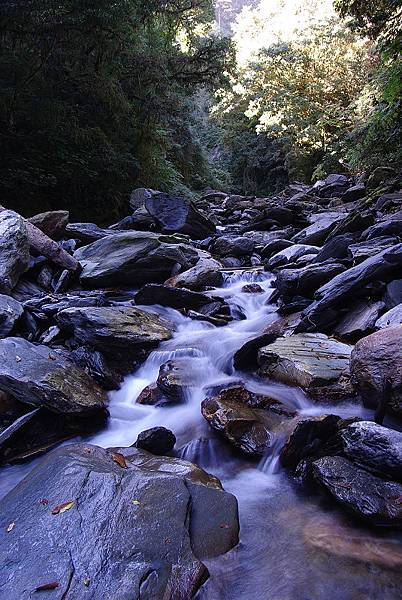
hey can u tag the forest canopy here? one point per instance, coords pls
(183, 95)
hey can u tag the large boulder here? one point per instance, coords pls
(359, 321)
(249, 421)
(350, 284)
(14, 249)
(130, 258)
(376, 368)
(10, 311)
(205, 273)
(116, 331)
(37, 375)
(366, 496)
(316, 363)
(157, 440)
(178, 215)
(317, 232)
(53, 223)
(305, 281)
(373, 447)
(233, 246)
(153, 520)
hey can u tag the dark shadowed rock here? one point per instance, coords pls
(315, 362)
(116, 330)
(356, 192)
(275, 246)
(87, 232)
(178, 298)
(306, 280)
(178, 215)
(248, 421)
(252, 288)
(157, 440)
(96, 365)
(393, 293)
(390, 227)
(130, 258)
(14, 250)
(10, 312)
(152, 395)
(337, 247)
(376, 368)
(138, 554)
(289, 255)
(373, 447)
(350, 284)
(53, 223)
(366, 496)
(359, 321)
(366, 249)
(233, 246)
(316, 233)
(37, 375)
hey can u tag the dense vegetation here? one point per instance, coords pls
(97, 98)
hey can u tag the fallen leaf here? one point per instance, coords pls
(87, 582)
(44, 501)
(10, 527)
(61, 508)
(346, 486)
(120, 460)
(224, 526)
(48, 586)
(135, 502)
(168, 541)
(52, 357)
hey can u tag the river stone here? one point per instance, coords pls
(53, 223)
(290, 254)
(87, 232)
(376, 368)
(36, 375)
(336, 247)
(373, 447)
(306, 280)
(178, 215)
(315, 362)
(392, 226)
(317, 232)
(123, 330)
(391, 318)
(393, 293)
(157, 440)
(248, 421)
(360, 320)
(178, 298)
(130, 258)
(10, 311)
(205, 273)
(14, 250)
(364, 495)
(96, 365)
(233, 246)
(153, 522)
(363, 250)
(349, 284)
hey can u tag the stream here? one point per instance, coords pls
(294, 544)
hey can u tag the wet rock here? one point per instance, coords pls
(306, 280)
(14, 245)
(355, 222)
(53, 223)
(337, 247)
(178, 215)
(290, 254)
(152, 395)
(130, 258)
(252, 288)
(364, 495)
(391, 318)
(311, 438)
(205, 273)
(315, 362)
(359, 321)
(373, 447)
(36, 375)
(316, 233)
(248, 421)
(178, 298)
(10, 312)
(138, 554)
(274, 247)
(157, 440)
(233, 246)
(366, 249)
(175, 378)
(119, 332)
(393, 293)
(349, 284)
(96, 365)
(390, 227)
(376, 369)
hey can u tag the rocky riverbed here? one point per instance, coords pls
(254, 341)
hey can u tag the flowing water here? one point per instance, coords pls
(294, 544)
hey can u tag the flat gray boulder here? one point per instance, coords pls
(205, 273)
(316, 363)
(14, 249)
(35, 374)
(131, 258)
(178, 215)
(117, 524)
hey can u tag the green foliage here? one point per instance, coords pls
(96, 97)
